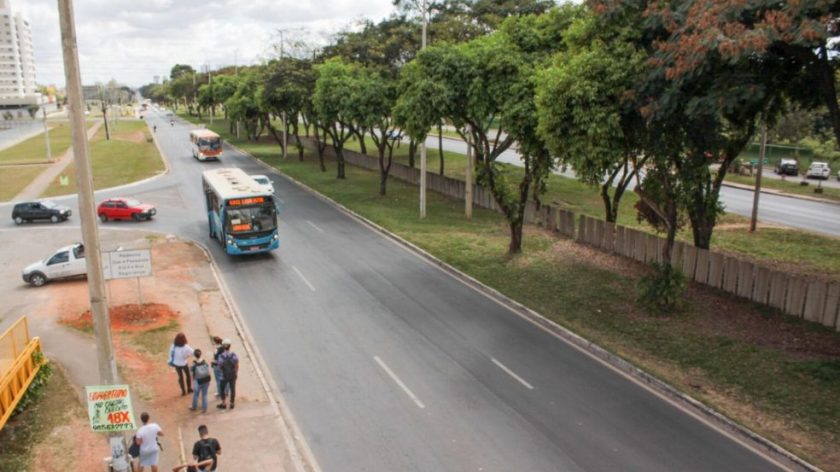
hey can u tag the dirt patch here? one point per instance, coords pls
(128, 318)
(135, 137)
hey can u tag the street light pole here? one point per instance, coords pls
(423, 143)
(47, 134)
(87, 213)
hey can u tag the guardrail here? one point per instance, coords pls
(17, 366)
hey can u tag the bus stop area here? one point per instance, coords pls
(181, 295)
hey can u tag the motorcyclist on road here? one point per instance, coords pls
(154, 128)
(171, 122)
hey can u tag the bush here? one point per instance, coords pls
(662, 289)
(36, 388)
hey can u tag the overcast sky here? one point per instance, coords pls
(134, 40)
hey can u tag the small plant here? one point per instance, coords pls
(36, 388)
(662, 289)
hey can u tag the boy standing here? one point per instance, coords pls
(205, 449)
(229, 363)
(201, 373)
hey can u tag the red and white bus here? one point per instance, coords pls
(206, 145)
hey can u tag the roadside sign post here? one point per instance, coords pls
(131, 264)
(110, 411)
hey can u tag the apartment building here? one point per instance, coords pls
(17, 65)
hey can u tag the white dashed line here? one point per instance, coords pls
(512, 374)
(311, 287)
(313, 225)
(399, 382)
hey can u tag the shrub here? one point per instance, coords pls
(36, 388)
(662, 289)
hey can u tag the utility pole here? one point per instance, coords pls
(212, 103)
(87, 213)
(46, 134)
(757, 192)
(423, 143)
(468, 194)
(285, 121)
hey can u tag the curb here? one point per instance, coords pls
(753, 441)
(300, 455)
(780, 193)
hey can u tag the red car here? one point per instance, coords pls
(125, 209)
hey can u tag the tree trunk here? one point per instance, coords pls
(412, 152)
(515, 246)
(339, 155)
(361, 138)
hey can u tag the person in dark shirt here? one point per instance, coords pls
(206, 448)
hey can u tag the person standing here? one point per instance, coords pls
(217, 369)
(229, 363)
(179, 354)
(201, 373)
(147, 439)
(206, 448)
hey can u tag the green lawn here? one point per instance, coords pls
(34, 149)
(794, 250)
(16, 178)
(128, 157)
(728, 360)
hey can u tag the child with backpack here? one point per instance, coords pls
(229, 363)
(201, 373)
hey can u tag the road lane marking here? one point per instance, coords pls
(399, 382)
(512, 374)
(311, 287)
(313, 225)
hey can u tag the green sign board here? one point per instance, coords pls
(64, 180)
(109, 408)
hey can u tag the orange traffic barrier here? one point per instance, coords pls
(18, 366)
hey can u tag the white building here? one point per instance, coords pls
(17, 66)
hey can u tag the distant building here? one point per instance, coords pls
(17, 64)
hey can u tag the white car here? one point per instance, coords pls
(818, 170)
(265, 182)
(68, 261)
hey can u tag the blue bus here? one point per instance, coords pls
(241, 213)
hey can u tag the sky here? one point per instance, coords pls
(134, 40)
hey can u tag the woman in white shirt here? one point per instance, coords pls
(179, 356)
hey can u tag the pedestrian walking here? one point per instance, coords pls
(179, 354)
(206, 448)
(201, 373)
(147, 439)
(217, 369)
(230, 370)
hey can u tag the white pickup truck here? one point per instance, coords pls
(68, 261)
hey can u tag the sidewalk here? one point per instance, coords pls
(39, 184)
(183, 279)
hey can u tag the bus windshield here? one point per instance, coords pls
(210, 144)
(251, 219)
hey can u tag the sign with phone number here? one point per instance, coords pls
(109, 408)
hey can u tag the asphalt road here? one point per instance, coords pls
(389, 364)
(794, 212)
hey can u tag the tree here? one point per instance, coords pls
(287, 87)
(331, 104)
(587, 118)
(244, 106)
(471, 85)
(373, 97)
(711, 97)
(180, 70)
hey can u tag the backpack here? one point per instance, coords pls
(202, 372)
(206, 450)
(228, 365)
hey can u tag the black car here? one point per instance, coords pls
(787, 166)
(45, 210)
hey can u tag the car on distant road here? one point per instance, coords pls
(265, 182)
(787, 166)
(68, 261)
(125, 209)
(818, 170)
(44, 210)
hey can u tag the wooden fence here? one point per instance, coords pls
(810, 298)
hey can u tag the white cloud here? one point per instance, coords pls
(132, 41)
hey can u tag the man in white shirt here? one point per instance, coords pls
(146, 438)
